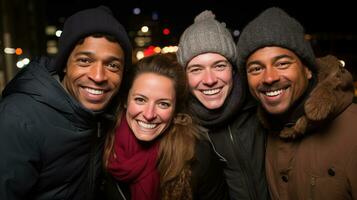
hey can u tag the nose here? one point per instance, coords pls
(271, 75)
(97, 73)
(209, 78)
(149, 112)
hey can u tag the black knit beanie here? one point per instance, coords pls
(88, 22)
(274, 27)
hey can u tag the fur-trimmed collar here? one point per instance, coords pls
(332, 94)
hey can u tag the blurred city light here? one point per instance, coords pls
(139, 55)
(50, 30)
(136, 11)
(22, 63)
(52, 47)
(166, 31)
(169, 49)
(236, 33)
(18, 51)
(144, 29)
(58, 33)
(342, 63)
(9, 50)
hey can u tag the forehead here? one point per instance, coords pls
(273, 52)
(153, 84)
(99, 43)
(206, 59)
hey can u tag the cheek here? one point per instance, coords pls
(193, 81)
(226, 76)
(132, 110)
(116, 79)
(167, 115)
(251, 82)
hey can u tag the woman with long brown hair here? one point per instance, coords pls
(156, 151)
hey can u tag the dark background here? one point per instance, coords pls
(332, 25)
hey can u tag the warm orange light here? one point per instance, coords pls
(18, 51)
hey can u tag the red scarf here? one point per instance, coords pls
(135, 164)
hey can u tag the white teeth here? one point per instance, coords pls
(147, 125)
(274, 93)
(94, 91)
(211, 92)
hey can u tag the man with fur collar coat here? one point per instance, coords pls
(306, 105)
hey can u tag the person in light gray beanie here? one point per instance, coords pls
(274, 27)
(221, 104)
(205, 35)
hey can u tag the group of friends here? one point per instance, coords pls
(258, 119)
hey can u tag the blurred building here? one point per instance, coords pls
(21, 35)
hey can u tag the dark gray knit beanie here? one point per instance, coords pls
(206, 35)
(274, 27)
(87, 22)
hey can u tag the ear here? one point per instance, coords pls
(308, 73)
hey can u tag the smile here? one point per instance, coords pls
(147, 125)
(211, 91)
(94, 91)
(273, 93)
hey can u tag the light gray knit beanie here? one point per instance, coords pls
(274, 27)
(206, 35)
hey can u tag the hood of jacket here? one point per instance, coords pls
(332, 94)
(34, 80)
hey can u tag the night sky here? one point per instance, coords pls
(334, 17)
(333, 24)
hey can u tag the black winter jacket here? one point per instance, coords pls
(50, 146)
(239, 139)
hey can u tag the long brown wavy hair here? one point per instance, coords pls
(177, 143)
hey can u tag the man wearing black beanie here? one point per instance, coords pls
(306, 106)
(54, 114)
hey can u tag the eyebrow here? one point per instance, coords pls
(214, 63)
(145, 97)
(110, 58)
(274, 59)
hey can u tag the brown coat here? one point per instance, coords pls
(319, 164)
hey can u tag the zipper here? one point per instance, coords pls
(221, 158)
(120, 191)
(99, 130)
(92, 158)
(242, 166)
(230, 134)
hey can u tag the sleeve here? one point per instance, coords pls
(208, 177)
(352, 173)
(19, 155)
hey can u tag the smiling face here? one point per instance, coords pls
(150, 106)
(277, 78)
(94, 72)
(210, 78)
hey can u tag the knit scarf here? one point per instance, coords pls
(135, 164)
